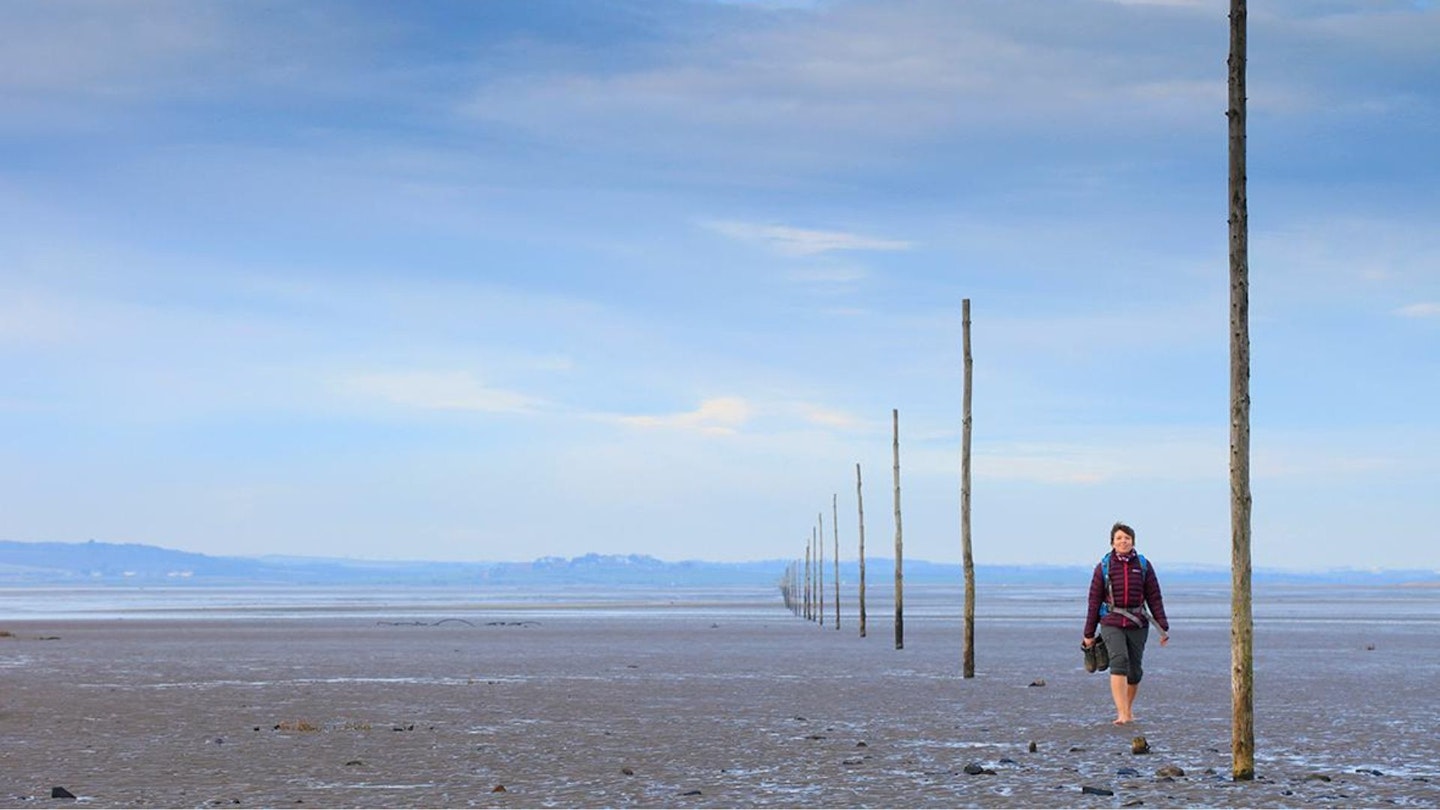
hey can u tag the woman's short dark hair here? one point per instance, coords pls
(1121, 527)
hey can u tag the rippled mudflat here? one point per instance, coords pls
(703, 702)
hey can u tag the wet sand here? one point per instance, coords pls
(683, 708)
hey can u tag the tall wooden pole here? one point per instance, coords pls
(860, 508)
(968, 661)
(820, 569)
(796, 575)
(1242, 641)
(899, 544)
(809, 578)
(835, 528)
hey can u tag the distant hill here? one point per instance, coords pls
(96, 562)
(102, 563)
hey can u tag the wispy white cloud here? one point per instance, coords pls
(854, 80)
(1424, 309)
(441, 391)
(720, 415)
(791, 241)
(828, 417)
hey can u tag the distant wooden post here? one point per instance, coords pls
(820, 545)
(968, 661)
(899, 544)
(835, 527)
(809, 585)
(795, 587)
(814, 578)
(795, 577)
(860, 507)
(1242, 629)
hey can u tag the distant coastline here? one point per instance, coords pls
(102, 563)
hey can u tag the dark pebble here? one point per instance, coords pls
(1127, 772)
(353, 763)
(1318, 777)
(1096, 791)
(1133, 803)
(1008, 761)
(692, 793)
(974, 769)
(1034, 746)
(1038, 682)
(60, 793)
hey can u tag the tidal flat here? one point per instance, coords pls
(698, 700)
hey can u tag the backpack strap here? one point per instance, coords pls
(1110, 595)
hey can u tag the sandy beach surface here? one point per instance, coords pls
(694, 705)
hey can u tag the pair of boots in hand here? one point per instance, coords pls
(1097, 658)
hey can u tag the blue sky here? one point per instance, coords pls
(492, 281)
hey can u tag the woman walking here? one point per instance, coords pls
(1123, 587)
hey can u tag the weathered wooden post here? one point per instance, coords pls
(1242, 639)
(794, 592)
(795, 574)
(835, 527)
(814, 587)
(820, 552)
(798, 587)
(809, 597)
(860, 507)
(789, 585)
(968, 659)
(899, 544)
